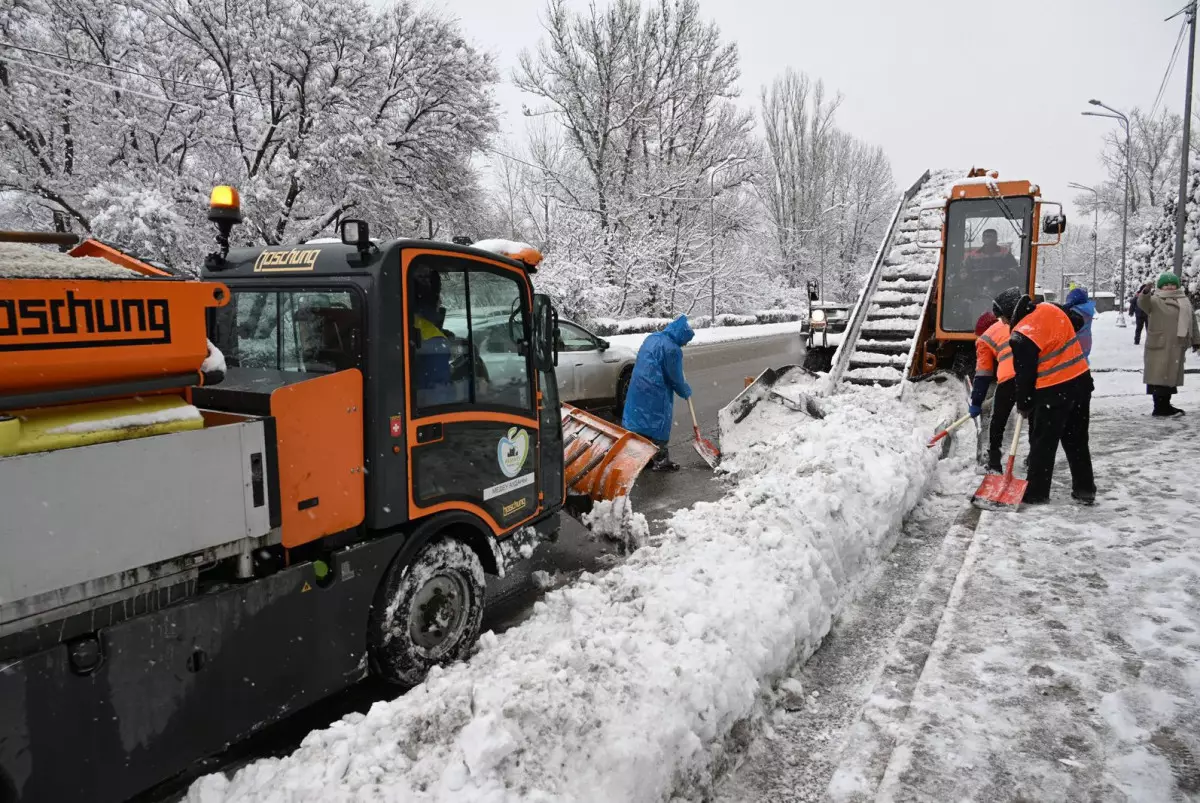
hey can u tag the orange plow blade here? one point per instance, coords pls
(601, 460)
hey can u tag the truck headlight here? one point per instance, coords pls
(818, 319)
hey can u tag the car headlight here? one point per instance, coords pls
(818, 319)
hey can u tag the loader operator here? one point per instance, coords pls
(1053, 390)
(431, 347)
(993, 361)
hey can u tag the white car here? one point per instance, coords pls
(591, 371)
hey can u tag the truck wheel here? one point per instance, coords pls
(427, 612)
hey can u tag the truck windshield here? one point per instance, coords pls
(307, 331)
(986, 252)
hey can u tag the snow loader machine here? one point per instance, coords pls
(226, 499)
(954, 242)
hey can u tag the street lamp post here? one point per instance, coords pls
(1095, 230)
(1116, 115)
(712, 236)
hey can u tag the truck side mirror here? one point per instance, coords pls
(1054, 224)
(545, 333)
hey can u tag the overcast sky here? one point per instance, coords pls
(937, 83)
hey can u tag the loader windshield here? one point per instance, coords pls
(987, 251)
(308, 331)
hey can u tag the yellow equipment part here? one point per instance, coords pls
(49, 428)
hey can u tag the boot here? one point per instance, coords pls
(664, 465)
(993, 462)
(1163, 407)
(1084, 497)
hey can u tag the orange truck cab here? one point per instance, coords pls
(990, 242)
(223, 553)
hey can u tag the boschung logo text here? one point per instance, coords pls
(75, 322)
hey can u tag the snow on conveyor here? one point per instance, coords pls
(20, 261)
(625, 685)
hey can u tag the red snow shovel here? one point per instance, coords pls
(949, 429)
(999, 491)
(708, 453)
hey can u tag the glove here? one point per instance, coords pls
(974, 410)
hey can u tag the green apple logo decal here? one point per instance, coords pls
(512, 451)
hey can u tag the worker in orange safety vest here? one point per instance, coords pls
(993, 362)
(1053, 389)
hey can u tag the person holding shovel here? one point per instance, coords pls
(993, 362)
(1171, 328)
(657, 379)
(1053, 389)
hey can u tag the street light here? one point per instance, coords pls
(1095, 229)
(712, 231)
(1116, 115)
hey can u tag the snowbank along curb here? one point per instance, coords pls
(625, 686)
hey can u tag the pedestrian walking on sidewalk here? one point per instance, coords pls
(1079, 303)
(1171, 329)
(993, 363)
(1053, 387)
(657, 379)
(1139, 315)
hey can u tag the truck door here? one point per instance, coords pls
(473, 430)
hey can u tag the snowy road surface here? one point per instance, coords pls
(633, 685)
(1058, 661)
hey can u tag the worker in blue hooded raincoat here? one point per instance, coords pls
(657, 379)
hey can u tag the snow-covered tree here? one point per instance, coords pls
(313, 108)
(1154, 251)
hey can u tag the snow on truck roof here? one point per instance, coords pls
(21, 261)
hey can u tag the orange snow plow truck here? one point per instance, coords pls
(223, 500)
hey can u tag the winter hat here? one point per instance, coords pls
(1167, 278)
(984, 323)
(1005, 304)
(1077, 296)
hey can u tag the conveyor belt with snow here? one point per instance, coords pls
(881, 337)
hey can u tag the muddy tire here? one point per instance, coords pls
(426, 613)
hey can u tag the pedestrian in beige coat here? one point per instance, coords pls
(1170, 330)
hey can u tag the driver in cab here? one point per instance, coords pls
(991, 256)
(432, 372)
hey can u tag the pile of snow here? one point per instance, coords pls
(507, 248)
(22, 261)
(630, 326)
(615, 519)
(627, 685)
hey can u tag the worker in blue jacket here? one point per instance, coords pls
(1078, 301)
(657, 379)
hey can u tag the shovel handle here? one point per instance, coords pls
(695, 424)
(1012, 453)
(949, 429)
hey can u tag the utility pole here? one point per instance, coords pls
(1184, 153)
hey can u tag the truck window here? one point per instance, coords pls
(986, 253)
(306, 331)
(466, 330)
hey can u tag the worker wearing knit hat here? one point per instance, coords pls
(1166, 279)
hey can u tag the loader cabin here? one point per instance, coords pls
(989, 243)
(441, 354)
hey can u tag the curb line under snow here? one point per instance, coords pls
(626, 685)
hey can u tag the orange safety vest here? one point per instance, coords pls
(1060, 357)
(993, 354)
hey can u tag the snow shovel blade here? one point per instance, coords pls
(707, 451)
(999, 491)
